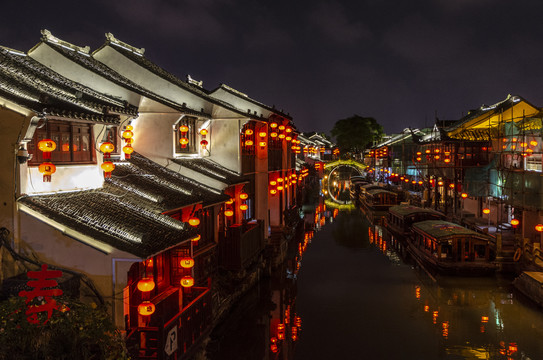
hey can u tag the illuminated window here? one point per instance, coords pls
(74, 143)
(190, 135)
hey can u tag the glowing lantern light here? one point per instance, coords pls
(281, 136)
(243, 196)
(420, 182)
(243, 207)
(108, 167)
(273, 125)
(194, 221)
(273, 183)
(440, 183)
(419, 159)
(47, 146)
(195, 240)
(248, 132)
(281, 127)
(146, 284)
(447, 160)
(262, 144)
(436, 157)
(127, 134)
(539, 227)
(273, 134)
(204, 144)
(187, 262)
(273, 191)
(229, 202)
(288, 129)
(406, 180)
(486, 211)
(128, 150)
(484, 319)
(184, 128)
(107, 148)
(47, 169)
(146, 308)
(187, 281)
(249, 143)
(427, 151)
(203, 132)
(515, 222)
(451, 186)
(533, 143)
(464, 195)
(262, 134)
(183, 142)
(229, 213)
(280, 180)
(288, 138)
(280, 188)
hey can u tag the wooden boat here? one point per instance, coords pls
(400, 218)
(356, 183)
(451, 249)
(375, 202)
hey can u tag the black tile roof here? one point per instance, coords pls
(113, 216)
(36, 87)
(211, 169)
(157, 70)
(246, 97)
(89, 63)
(126, 213)
(168, 189)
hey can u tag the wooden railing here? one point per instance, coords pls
(173, 337)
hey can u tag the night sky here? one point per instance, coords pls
(401, 62)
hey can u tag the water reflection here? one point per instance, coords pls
(347, 291)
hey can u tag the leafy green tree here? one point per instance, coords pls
(356, 133)
(79, 331)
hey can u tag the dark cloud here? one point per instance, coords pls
(401, 62)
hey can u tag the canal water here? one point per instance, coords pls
(345, 292)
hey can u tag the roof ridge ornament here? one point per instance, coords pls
(48, 36)
(113, 40)
(192, 81)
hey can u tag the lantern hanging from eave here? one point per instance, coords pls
(146, 308)
(187, 262)
(47, 168)
(108, 167)
(243, 207)
(146, 284)
(194, 221)
(204, 144)
(515, 222)
(128, 138)
(243, 196)
(273, 125)
(262, 134)
(183, 140)
(228, 213)
(187, 281)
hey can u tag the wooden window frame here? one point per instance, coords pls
(192, 146)
(67, 136)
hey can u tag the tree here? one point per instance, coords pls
(355, 133)
(79, 331)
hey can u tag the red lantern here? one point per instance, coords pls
(486, 211)
(248, 132)
(183, 141)
(146, 308)
(273, 125)
(194, 221)
(515, 222)
(262, 134)
(228, 213)
(539, 227)
(187, 262)
(146, 284)
(203, 132)
(47, 146)
(243, 196)
(47, 169)
(204, 144)
(187, 281)
(184, 128)
(243, 207)
(107, 148)
(108, 167)
(273, 134)
(464, 195)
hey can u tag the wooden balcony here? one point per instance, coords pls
(170, 337)
(241, 245)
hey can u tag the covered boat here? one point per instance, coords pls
(451, 249)
(401, 217)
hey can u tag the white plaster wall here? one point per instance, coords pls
(47, 56)
(224, 144)
(240, 103)
(53, 247)
(149, 80)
